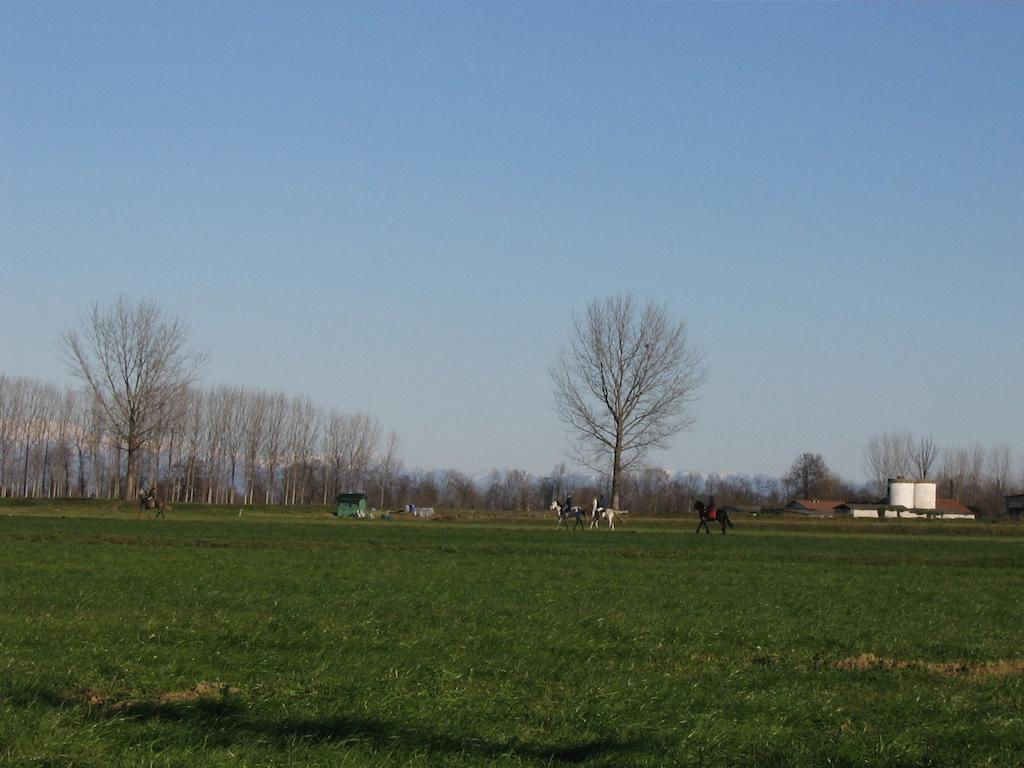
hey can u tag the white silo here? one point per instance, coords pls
(924, 494)
(901, 492)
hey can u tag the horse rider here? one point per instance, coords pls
(567, 507)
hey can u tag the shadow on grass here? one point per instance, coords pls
(236, 723)
(383, 734)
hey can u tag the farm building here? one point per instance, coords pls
(917, 498)
(813, 507)
(351, 505)
(906, 499)
(1014, 505)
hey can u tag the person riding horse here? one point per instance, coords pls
(148, 500)
(707, 512)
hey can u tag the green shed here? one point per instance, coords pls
(351, 505)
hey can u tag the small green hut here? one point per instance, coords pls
(351, 505)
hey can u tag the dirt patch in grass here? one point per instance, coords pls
(212, 692)
(983, 671)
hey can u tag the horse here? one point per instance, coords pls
(563, 515)
(597, 514)
(148, 501)
(704, 513)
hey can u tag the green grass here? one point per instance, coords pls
(503, 642)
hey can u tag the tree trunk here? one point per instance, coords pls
(128, 489)
(616, 472)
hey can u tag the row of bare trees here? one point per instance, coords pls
(976, 476)
(221, 445)
(40, 446)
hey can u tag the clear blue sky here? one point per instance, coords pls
(395, 207)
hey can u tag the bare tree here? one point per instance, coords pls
(11, 398)
(1000, 461)
(955, 471)
(136, 361)
(888, 455)
(625, 383)
(254, 416)
(234, 439)
(923, 456)
(978, 458)
(963, 472)
(302, 431)
(388, 466)
(362, 437)
(273, 439)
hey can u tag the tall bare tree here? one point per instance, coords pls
(275, 420)
(136, 361)
(255, 410)
(624, 384)
(1000, 461)
(388, 466)
(888, 455)
(923, 455)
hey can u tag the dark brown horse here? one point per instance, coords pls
(149, 500)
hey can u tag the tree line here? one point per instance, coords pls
(218, 445)
(976, 476)
(235, 445)
(623, 387)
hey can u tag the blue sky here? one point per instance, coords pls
(396, 207)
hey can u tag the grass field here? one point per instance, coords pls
(278, 639)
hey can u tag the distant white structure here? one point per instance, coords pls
(924, 495)
(918, 498)
(901, 492)
(912, 494)
(907, 500)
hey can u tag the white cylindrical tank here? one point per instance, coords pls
(901, 493)
(924, 495)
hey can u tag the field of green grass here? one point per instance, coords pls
(294, 639)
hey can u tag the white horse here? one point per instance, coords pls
(597, 514)
(564, 515)
(609, 516)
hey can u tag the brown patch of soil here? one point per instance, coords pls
(985, 670)
(209, 691)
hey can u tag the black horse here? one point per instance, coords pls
(705, 513)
